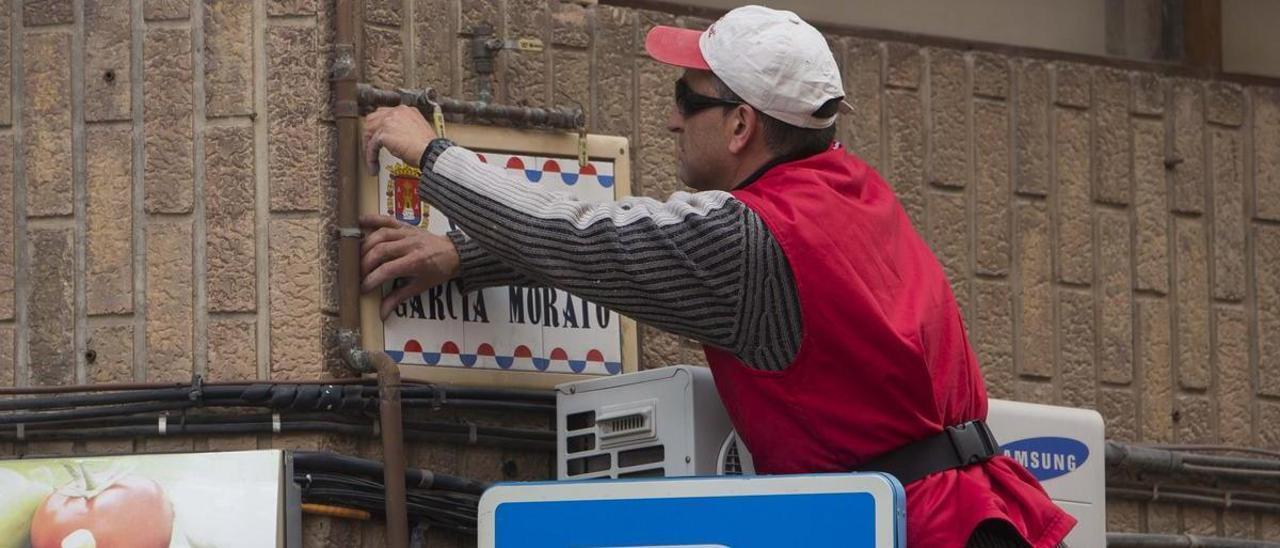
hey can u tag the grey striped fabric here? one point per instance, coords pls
(701, 265)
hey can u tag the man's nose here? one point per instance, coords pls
(674, 120)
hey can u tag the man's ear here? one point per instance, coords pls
(742, 125)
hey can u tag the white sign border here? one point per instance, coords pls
(884, 489)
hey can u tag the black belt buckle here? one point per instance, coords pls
(973, 442)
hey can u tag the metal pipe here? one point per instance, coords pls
(1171, 496)
(1143, 458)
(392, 448)
(571, 118)
(1145, 540)
(346, 114)
(77, 388)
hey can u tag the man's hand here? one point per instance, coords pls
(392, 249)
(401, 130)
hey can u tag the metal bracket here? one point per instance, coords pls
(484, 49)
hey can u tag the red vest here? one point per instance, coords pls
(884, 359)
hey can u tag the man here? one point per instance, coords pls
(830, 328)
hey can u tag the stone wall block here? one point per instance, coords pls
(295, 81)
(383, 12)
(228, 57)
(1191, 271)
(1116, 307)
(905, 65)
(1032, 128)
(293, 7)
(229, 204)
(167, 121)
(569, 24)
(1035, 306)
(233, 350)
(296, 346)
(949, 111)
(384, 54)
(107, 59)
(170, 357)
(111, 347)
(46, 73)
(1120, 407)
(1148, 94)
(1151, 207)
(1072, 85)
(1195, 419)
(1188, 146)
(1266, 147)
(1077, 336)
(1266, 249)
(8, 230)
(863, 82)
(109, 220)
(990, 75)
(1112, 146)
(948, 236)
(905, 167)
(991, 195)
(1224, 104)
(38, 13)
(655, 146)
(434, 43)
(6, 68)
(1235, 393)
(51, 307)
(1155, 362)
(993, 335)
(1228, 214)
(1075, 231)
(166, 10)
(476, 12)
(615, 35)
(571, 78)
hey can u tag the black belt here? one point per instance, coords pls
(954, 447)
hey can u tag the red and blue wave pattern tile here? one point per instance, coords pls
(521, 355)
(567, 170)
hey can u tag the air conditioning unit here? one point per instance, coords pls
(670, 422)
(660, 422)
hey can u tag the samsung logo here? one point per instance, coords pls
(1048, 457)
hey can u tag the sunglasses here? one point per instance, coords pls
(690, 103)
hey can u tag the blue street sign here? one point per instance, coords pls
(846, 510)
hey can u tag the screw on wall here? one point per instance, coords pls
(485, 48)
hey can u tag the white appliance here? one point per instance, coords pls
(670, 422)
(660, 422)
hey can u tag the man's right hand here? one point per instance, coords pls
(392, 249)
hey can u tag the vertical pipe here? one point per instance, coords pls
(346, 114)
(393, 469)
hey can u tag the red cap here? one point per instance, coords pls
(676, 46)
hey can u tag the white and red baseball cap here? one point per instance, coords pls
(773, 60)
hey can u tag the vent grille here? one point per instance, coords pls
(623, 425)
(732, 464)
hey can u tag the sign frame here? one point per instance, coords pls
(501, 140)
(886, 492)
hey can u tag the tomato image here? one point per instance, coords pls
(119, 511)
(19, 498)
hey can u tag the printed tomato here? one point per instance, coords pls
(122, 511)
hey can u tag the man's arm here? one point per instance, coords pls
(701, 265)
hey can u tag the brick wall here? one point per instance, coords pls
(167, 189)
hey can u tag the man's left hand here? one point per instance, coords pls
(401, 130)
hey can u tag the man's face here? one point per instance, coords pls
(703, 160)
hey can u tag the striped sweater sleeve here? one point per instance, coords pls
(701, 265)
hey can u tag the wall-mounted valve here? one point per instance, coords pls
(485, 48)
